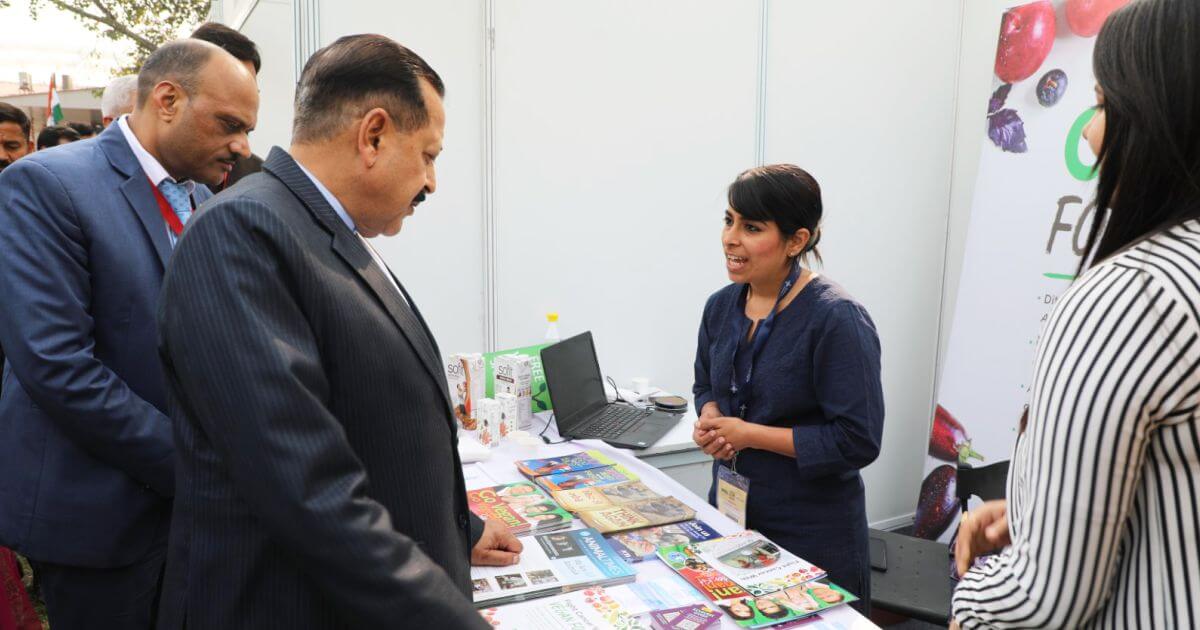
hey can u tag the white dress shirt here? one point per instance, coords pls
(151, 166)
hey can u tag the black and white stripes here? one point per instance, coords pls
(1103, 485)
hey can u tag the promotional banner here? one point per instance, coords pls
(1029, 219)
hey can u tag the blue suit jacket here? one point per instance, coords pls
(86, 456)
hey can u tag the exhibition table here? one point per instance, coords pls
(499, 468)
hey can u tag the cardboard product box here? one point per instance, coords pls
(488, 416)
(514, 375)
(509, 413)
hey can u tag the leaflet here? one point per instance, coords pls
(642, 544)
(552, 563)
(522, 506)
(573, 462)
(791, 604)
(755, 563)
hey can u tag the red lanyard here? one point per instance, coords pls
(168, 213)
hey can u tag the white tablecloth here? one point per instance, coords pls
(500, 469)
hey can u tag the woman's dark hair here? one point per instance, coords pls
(1147, 63)
(784, 194)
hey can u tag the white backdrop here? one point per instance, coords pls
(618, 125)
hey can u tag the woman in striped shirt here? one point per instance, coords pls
(1102, 523)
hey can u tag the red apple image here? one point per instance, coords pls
(1026, 37)
(1085, 17)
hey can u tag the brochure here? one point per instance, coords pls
(793, 603)
(755, 563)
(574, 462)
(608, 495)
(586, 478)
(711, 583)
(642, 544)
(550, 564)
(522, 506)
(588, 609)
(643, 513)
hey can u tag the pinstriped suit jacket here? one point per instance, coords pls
(318, 483)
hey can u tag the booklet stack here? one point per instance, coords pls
(551, 563)
(583, 469)
(754, 581)
(605, 495)
(522, 506)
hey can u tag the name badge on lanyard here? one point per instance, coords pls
(733, 488)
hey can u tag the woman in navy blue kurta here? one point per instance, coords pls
(814, 414)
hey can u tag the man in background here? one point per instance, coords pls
(14, 145)
(85, 130)
(55, 136)
(87, 461)
(244, 50)
(118, 98)
(14, 135)
(319, 480)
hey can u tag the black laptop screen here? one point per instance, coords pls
(573, 377)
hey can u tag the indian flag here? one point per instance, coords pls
(54, 113)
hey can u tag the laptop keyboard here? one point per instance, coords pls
(613, 421)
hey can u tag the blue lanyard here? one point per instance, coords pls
(743, 390)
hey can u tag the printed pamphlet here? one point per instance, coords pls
(755, 563)
(521, 505)
(550, 564)
(642, 544)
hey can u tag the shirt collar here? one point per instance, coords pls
(152, 168)
(337, 205)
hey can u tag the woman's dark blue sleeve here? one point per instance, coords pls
(702, 388)
(846, 374)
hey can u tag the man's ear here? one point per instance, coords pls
(371, 133)
(168, 99)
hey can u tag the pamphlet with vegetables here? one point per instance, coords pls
(755, 563)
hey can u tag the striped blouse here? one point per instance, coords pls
(1102, 489)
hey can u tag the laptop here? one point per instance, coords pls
(580, 406)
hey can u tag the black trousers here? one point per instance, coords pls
(124, 598)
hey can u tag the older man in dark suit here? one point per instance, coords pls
(87, 462)
(319, 483)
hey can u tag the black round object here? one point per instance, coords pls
(673, 404)
(1051, 87)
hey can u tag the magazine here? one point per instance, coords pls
(552, 563)
(710, 582)
(637, 514)
(755, 563)
(792, 603)
(642, 544)
(604, 496)
(589, 609)
(586, 478)
(522, 506)
(574, 462)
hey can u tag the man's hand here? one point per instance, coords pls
(497, 547)
(726, 435)
(982, 530)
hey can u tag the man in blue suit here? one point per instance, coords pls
(87, 463)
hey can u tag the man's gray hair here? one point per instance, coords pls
(119, 96)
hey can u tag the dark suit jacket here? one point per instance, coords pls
(319, 483)
(243, 167)
(86, 456)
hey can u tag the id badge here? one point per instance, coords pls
(732, 489)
